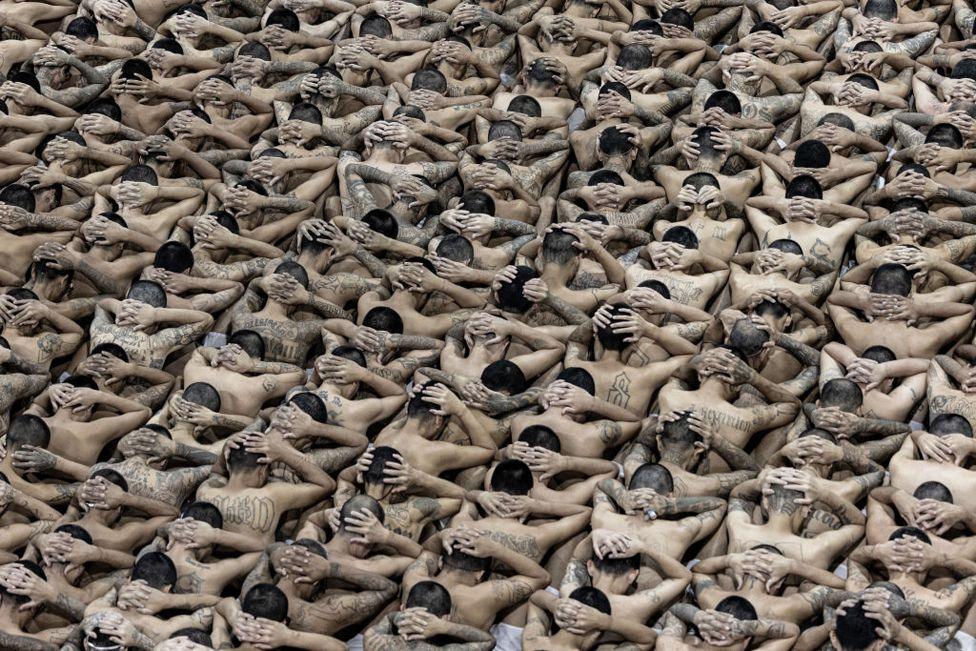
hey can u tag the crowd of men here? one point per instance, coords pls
(515, 324)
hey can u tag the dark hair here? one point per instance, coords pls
(883, 9)
(27, 429)
(512, 476)
(312, 405)
(195, 635)
(385, 319)
(174, 256)
(504, 129)
(511, 295)
(540, 436)
(286, 18)
(249, 341)
(605, 176)
(140, 174)
(838, 119)
(681, 235)
(933, 490)
(725, 100)
(871, 47)
(306, 112)
(382, 454)
(617, 566)
(679, 432)
(812, 153)
(879, 354)
(266, 601)
(382, 221)
(945, 135)
(526, 105)
(910, 532)
(430, 595)
(614, 87)
(156, 569)
(819, 433)
(456, 247)
(82, 28)
(841, 393)
(578, 377)
(804, 185)
(256, 50)
(608, 338)
(657, 286)
(351, 353)
(134, 68)
(965, 69)
(891, 278)
(557, 247)
(167, 44)
(505, 376)
(592, 597)
(81, 382)
(614, 142)
(358, 503)
(429, 79)
(700, 180)
(946, 424)
(203, 394)
(746, 338)
(479, 202)
(766, 26)
(75, 531)
(854, 629)
(111, 476)
(28, 78)
(375, 25)
(18, 195)
(635, 57)
(647, 25)
(411, 112)
(739, 607)
(786, 246)
(204, 512)
(861, 79)
(294, 270)
(679, 17)
(653, 476)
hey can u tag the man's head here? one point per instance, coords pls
(512, 477)
(384, 319)
(812, 153)
(747, 339)
(540, 436)
(947, 424)
(156, 569)
(356, 505)
(266, 601)
(653, 476)
(511, 293)
(431, 596)
(147, 291)
(505, 377)
(27, 429)
(375, 477)
(891, 278)
(841, 393)
(886, 10)
(679, 443)
(174, 257)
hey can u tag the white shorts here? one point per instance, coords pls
(507, 637)
(966, 641)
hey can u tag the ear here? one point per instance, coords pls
(632, 576)
(590, 567)
(658, 439)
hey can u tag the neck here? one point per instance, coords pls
(781, 522)
(460, 576)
